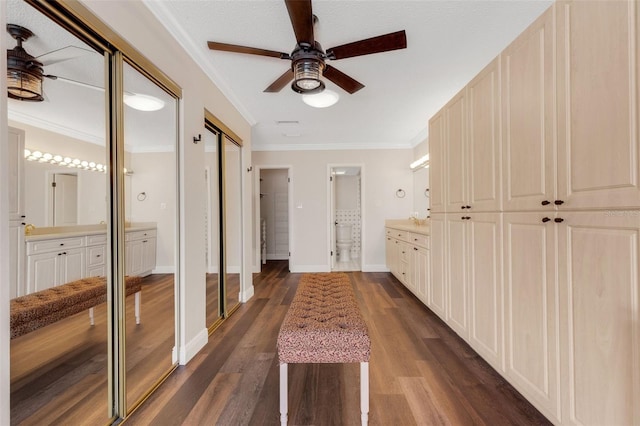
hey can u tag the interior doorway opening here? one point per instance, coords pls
(346, 217)
(274, 214)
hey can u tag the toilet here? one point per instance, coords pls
(343, 242)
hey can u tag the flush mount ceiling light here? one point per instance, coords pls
(143, 102)
(24, 72)
(324, 99)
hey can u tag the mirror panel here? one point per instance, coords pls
(232, 222)
(212, 225)
(59, 369)
(150, 137)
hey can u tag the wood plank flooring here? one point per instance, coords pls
(420, 371)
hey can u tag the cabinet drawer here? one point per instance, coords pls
(400, 235)
(140, 235)
(96, 255)
(45, 246)
(93, 240)
(419, 240)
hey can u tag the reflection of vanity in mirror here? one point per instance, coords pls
(60, 234)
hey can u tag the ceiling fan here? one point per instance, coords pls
(308, 60)
(26, 72)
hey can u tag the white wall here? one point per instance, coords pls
(155, 175)
(383, 173)
(92, 186)
(347, 192)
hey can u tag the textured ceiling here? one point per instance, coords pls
(448, 43)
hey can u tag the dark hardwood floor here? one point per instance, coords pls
(420, 371)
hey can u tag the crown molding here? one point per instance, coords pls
(56, 128)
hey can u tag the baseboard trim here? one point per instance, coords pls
(164, 270)
(194, 346)
(246, 294)
(297, 269)
(375, 268)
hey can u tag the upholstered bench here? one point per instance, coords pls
(39, 309)
(324, 325)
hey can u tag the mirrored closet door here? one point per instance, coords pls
(150, 201)
(212, 225)
(59, 351)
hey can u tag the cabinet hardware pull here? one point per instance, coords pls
(98, 255)
(545, 219)
(23, 223)
(61, 244)
(558, 202)
(463, 207)
(59, 254)
(468, 207)
(144, 241)
(545, 203)
(558, 220)
(415, 248)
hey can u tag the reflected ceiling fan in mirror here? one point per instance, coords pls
(25, 73)
(308, 60)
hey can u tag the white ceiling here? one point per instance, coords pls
(448, 43)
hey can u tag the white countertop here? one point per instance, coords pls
(49, 233)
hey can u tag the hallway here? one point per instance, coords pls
(420, 371)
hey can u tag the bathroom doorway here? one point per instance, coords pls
(345, 195)
(274, 224)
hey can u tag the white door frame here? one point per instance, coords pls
(257, 264)
(330, 224)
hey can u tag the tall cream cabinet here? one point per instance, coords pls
(544, 285)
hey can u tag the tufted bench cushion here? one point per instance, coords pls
(323, 324)
(36, 310)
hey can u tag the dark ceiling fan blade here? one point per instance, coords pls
(302, 20)
(213, 45)
(383, 43)
(279, 84)
(341, 79)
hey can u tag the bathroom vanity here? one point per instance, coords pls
(55, 256)
(407, 255)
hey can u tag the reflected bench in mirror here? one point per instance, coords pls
(39, 309)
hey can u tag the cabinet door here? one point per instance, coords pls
(135, 257)
(148, 255)
(455, 141)
(390, 253)
(598, 149)
(420, 265)
(72, 265)
(16, 174)
(16, 259)
(438, 290)
(600, 321)
(436, 163)
(528, 101)
(457, 289)
(485, 287)
(42, 271)
(483, 143)
(403, 264)
(532, 358)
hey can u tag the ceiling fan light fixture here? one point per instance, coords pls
(24, 72)
(324, 99)
(143, 102)
(306, 75)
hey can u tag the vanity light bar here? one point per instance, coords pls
(59, 160)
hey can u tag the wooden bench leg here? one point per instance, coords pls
(91, 319)
(283, 394)
(364, 392)
(137, 307)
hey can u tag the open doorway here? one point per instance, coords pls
(346, 217)
(274, 215)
